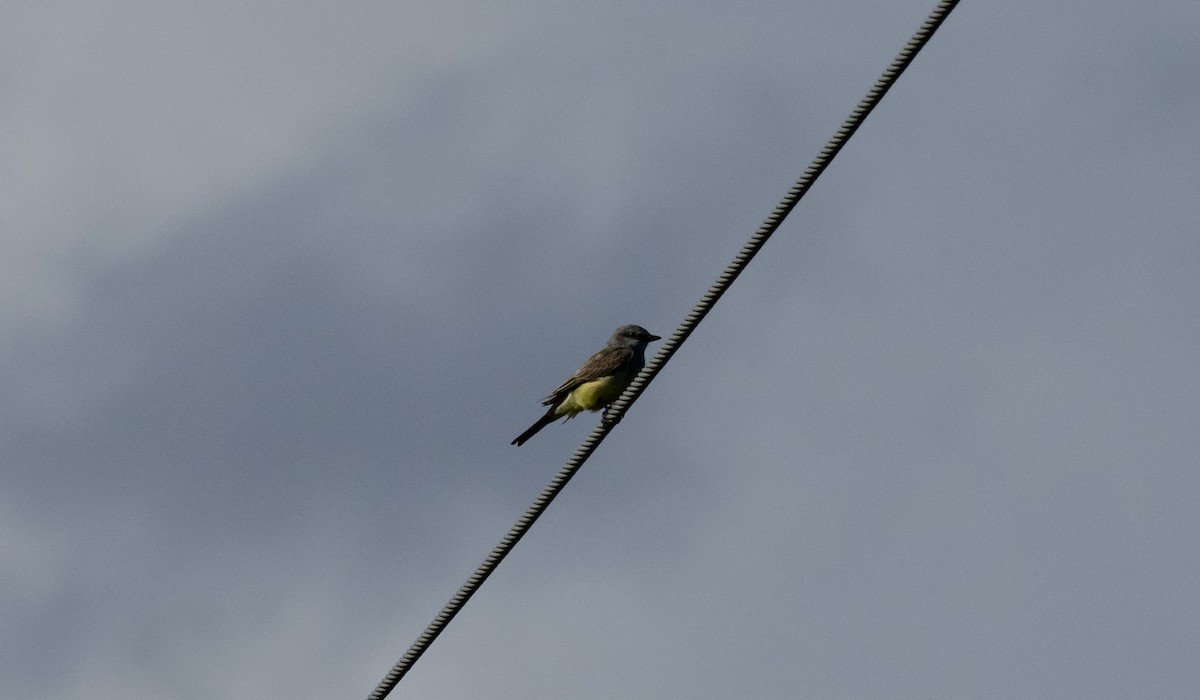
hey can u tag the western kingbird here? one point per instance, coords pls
(599, 381)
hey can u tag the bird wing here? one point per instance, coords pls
(603, 364)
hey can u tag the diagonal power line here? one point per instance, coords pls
(668, 349)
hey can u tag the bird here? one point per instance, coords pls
(599, 381)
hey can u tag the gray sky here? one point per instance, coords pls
(279, 283)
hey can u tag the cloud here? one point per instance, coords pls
(282, 283)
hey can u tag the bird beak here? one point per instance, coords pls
(652, 338)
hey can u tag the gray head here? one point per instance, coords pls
(631, 336)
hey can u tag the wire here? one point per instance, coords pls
(618, 408)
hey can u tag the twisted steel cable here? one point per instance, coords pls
(617, 410)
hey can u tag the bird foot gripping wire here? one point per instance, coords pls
(609, 418)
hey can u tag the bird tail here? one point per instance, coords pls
(533, 429)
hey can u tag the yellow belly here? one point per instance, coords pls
(593, 396)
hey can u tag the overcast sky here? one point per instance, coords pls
(279, 282)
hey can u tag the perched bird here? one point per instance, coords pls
(599, 381)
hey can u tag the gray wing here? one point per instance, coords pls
(603, 364)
